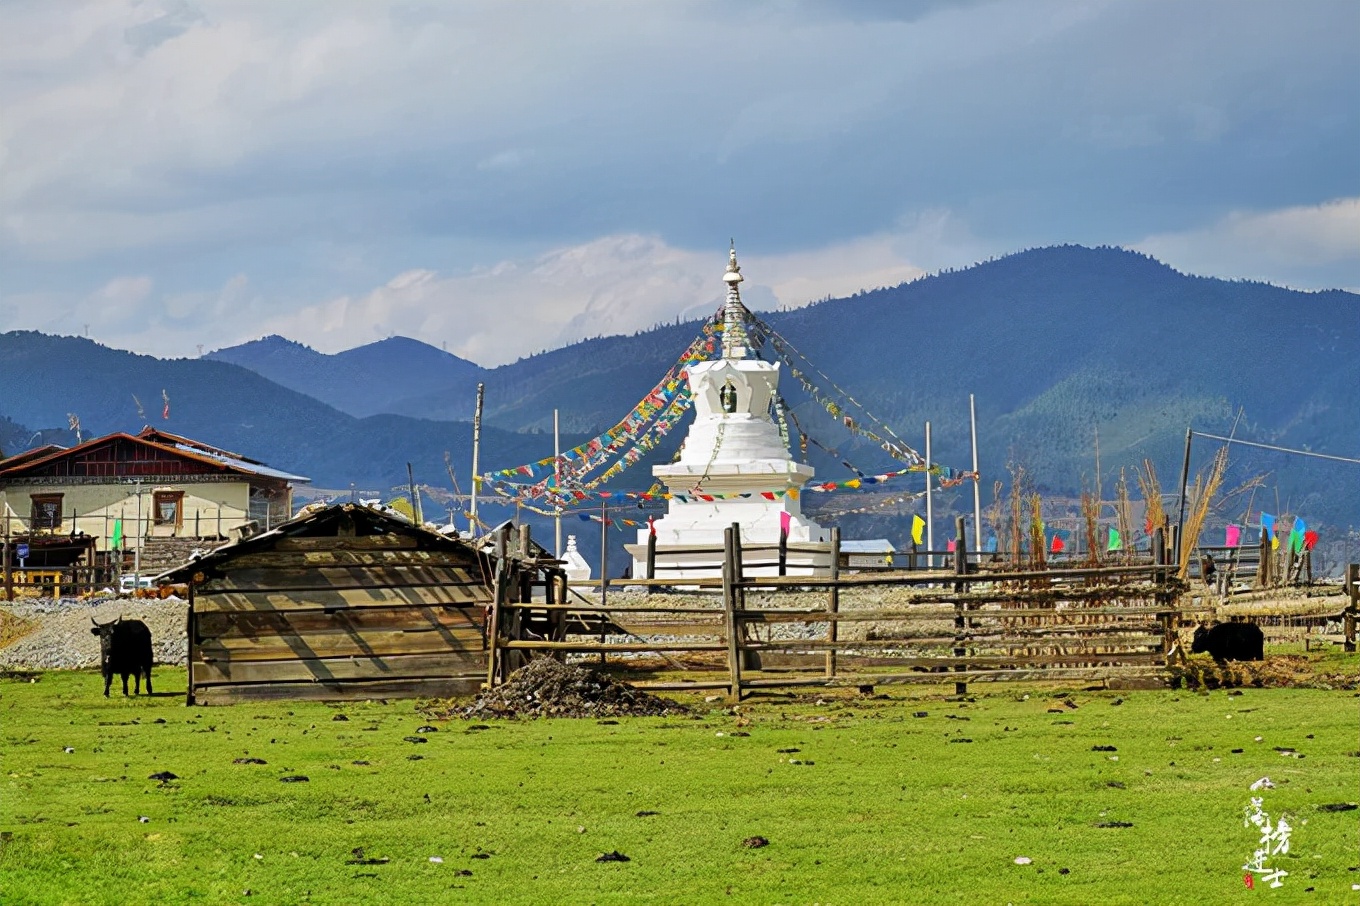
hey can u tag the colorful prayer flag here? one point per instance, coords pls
(949, 546)
(1310, 540)
(1058, 544)
(117, 534)
(1268, 522)
(785, 519)
(917, 527)
(1233, 536)
(991, 544)
(1116, 543)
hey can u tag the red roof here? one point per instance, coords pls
(202, 458)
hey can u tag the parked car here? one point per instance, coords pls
(129, 584)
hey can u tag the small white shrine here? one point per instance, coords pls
(733, 448)
(574, 565)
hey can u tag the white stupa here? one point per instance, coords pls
(733, 448)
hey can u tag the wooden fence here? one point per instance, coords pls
(961, 625)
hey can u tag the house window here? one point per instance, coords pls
(46, 511)
(167, 507)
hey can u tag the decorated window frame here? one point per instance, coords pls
(167, 508)
(46, 511)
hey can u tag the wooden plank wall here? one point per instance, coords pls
(339, 618)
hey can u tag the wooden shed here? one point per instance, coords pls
(342, 603)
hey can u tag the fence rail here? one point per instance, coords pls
(963, 624)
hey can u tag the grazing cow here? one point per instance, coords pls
(1230, 642)
(124, 648)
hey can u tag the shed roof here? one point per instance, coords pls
(871, 546)
(324, 522)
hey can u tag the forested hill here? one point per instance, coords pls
(362, 381)
(47, 378)
(1057, 344)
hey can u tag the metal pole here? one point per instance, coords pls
(977, 481)
(557, 474)
(1185, 483)
(930, 512)
(416, 516)
(604, 553)
(137, 551)
(476, 451)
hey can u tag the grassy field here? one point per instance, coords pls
(912, 798)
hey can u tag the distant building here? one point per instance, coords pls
(870, 553)
(128, 492)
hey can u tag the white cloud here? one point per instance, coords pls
(591, 148)
(1306, 246)
(614, 284)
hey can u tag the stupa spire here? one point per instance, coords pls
(735, 315)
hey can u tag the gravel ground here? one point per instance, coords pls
(63, 640)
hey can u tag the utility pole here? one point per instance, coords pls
(137, 551)
(977, 481)
(930, 512)
(476, 451)
(557, 473)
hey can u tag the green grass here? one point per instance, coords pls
(886, 810)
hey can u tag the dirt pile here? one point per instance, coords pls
(549, 688)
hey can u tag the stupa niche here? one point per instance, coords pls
(733, 448)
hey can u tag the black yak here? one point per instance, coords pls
(1230, 642)
(124, 648)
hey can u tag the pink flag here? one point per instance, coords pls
(784, 520)
(1234, 535)
(950, 548)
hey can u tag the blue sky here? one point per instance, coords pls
(503, 178)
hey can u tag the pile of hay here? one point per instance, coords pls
(550, 688)
(1299, 671)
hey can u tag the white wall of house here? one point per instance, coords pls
(206, 509)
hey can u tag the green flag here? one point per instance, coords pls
(118, 534)
(1116, 543)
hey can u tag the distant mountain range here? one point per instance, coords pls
(1058, 344)
(367, 380)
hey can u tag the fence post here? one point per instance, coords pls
(651, 556)
(960, 622)
(731, 567)
(833, 599)
(9, 573)
(493, 655)
(1348, 619)
(783, 551)
(1263, 562)
(189, 630)
(526, 576)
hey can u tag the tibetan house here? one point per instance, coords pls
(135, 493)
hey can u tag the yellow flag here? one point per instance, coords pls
(853, 483)
(1274, 542)
(917, 526)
